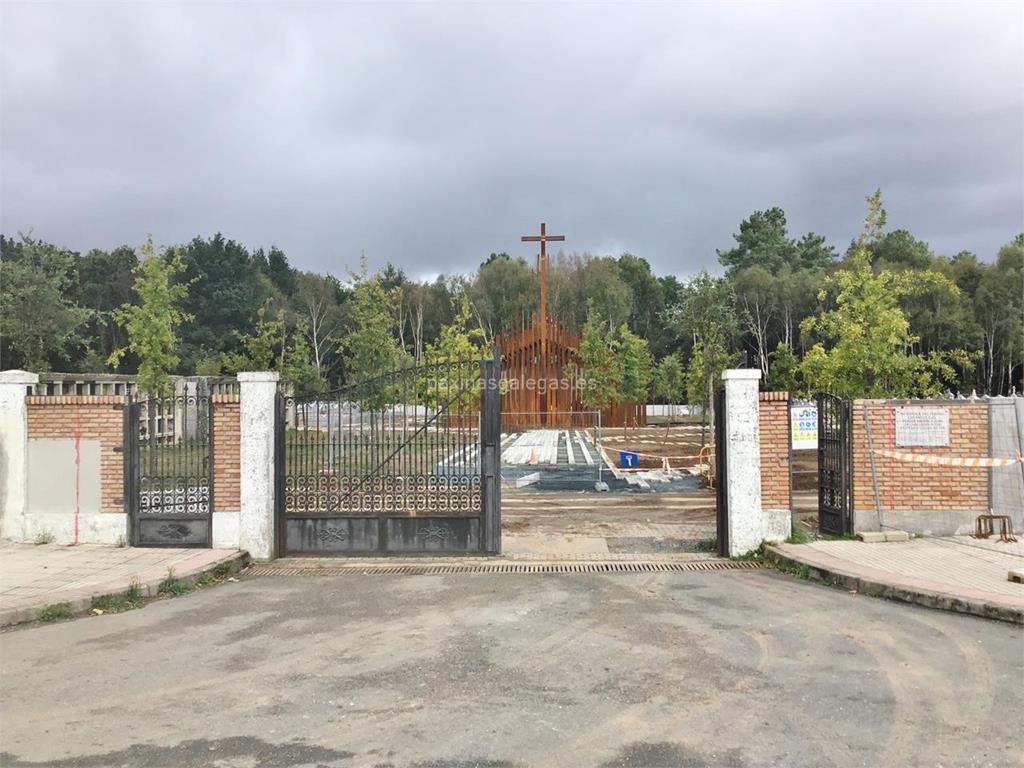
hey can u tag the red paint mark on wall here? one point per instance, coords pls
(78, 467)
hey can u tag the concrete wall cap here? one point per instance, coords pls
(741, 374)
(15, 376)
(258, 376)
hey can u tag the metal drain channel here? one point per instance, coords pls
(454, 568)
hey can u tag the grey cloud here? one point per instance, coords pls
(431, 135)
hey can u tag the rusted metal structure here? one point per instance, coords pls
(541, 370)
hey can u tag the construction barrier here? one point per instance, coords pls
(949, 461)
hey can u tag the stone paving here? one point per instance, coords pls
(967, 573)
(34, 576)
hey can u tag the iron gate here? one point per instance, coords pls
(721, 478)
(407, 462)
(835, 465)
(168, 473)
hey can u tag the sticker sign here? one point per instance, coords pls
(803, 425)
(922, 426)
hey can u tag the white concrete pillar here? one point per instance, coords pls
(747, 526)
(256, 520)
(14, 452)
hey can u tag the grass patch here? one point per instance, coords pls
(128, 600)
(114, 604)
(55, 612)
(797, 570)
(753, 556)
(44, 537)
(173, 586)
(798, 536)
(223, 570)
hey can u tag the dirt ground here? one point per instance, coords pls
(629, 522)
(680, 443)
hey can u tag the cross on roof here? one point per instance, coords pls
(542, 267)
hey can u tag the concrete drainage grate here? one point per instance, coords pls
(454, 568)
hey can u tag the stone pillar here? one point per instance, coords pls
(14, 452)
(747, 526)
(256, 520)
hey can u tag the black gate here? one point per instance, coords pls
(407, 462)
(168, 472)
(721, 481)
(835, 465)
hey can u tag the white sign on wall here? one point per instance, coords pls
(922, 426)
(803, 425)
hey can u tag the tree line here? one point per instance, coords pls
(885, 317)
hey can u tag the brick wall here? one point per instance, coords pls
(905, 488)
(774, 428)
(227, 470)
(90, 417)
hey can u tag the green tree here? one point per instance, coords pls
(40, 324)
(228, 287)
(152, 324)
(104, 283)
(900, 250)
(504, 293)
(864, 341)
(457, 355)
(280, 272)
(637, 366)
(707, 315)
(297, 366)
(668, 384)
(601, 364)
(763, 240)
(668, 379)
(648, 296)
(784, 372)
(261, 349)
(999, 309)
(321, 304)
(604, 286)
(370, 346)
(757, 297)
(273, 346)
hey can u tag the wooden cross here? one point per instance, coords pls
(542, 315)
(542, 268)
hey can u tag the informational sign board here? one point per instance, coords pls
(917, 425)
(803, 424)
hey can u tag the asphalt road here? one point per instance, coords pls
(721, 669)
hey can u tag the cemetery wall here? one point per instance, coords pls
(775, 458)
(75, 489)
(891, 491)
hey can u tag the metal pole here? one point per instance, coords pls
(1019, 417)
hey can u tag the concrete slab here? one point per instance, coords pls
(955, 573)
(33, 577)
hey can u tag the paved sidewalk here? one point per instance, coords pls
(957, 573)
(35, 576)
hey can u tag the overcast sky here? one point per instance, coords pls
(433, 134)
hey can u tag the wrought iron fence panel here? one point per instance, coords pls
(835, 465)
(376, 465)
(169, 470)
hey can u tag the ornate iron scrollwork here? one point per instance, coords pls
(174, 531)
(329, 533)
(436, 532)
